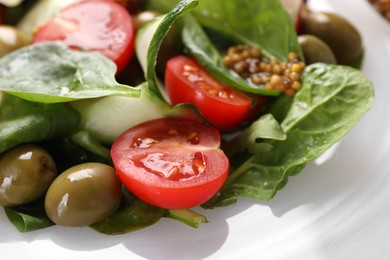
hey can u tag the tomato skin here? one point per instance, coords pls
(95, 25)
(187, 82)
(147, 156)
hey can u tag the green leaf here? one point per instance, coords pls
(33, 122)
(262, 24)
(51, 72)
(201, 47)
(252, 138)
(84, 139)
(152, 36)
(132, 215)
(331, 102)
(332, 97)
(29, 217)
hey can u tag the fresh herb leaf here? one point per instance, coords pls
(152, 35)
(22, 121)
(252, 138)
(331, 102)
(201, 47)
(29, 217)
(133, 214)
(50, 72)
(262, 24)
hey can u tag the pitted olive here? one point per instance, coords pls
(338, 33)
(26, 173)
(11, 39)
(83, 194)
(315, 50)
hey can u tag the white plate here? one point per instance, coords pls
(334, 209)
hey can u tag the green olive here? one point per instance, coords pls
(315, 50)
(83, 195)
(11, 39)
(26, 173)
(171, 45)
(338, 33)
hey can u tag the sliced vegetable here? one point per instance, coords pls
(40, 13)
(152, 35)
(187, 82)
(93, 25)
(171, 163)
(108, 117)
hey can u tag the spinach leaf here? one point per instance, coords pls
(133, 214)
(332, 100)
(252, 138)
(262, 24)
(29, 217)
(22, 121)
(201, 47)
(51, 72)
(152, 35)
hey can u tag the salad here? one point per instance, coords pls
(251, 92)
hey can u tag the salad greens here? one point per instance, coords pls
(319, 116)
(203, 49)
(263, 156)
(29, 217)
(262, 24)
(33, 122)
(71, 75)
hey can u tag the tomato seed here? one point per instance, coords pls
(193, 138)
(173, 132)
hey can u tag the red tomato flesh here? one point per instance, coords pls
(171, 163)
(95, 25)
(187, 82)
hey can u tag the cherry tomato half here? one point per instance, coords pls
(171, 163)
(187, 82)
(97, 25)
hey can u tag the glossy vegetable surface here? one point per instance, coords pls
(262, 156)
(337, 32)
(315, 50)
(187, 82)
(94, 25)
(171, 163)
(26, 172)
(82, 195)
